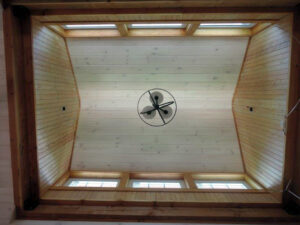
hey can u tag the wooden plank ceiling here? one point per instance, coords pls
(263, 86)
(200, 72)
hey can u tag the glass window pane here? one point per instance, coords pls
(204, 185)
(226, 25)
(93, 184)
(172, 185)
(219, 186)
(109, 184)
(156, 185)
(74, 182)
(89, 26)
(237, 186)
(81, 183)
(156, 25)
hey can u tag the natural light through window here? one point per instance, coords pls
(157, 184)
(226, 25)
(156, 25)
(90, 26)
(73, 182)
(222, 185)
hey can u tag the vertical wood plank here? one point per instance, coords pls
(17, 30)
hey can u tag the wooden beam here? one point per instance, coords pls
(155, 21)
(189, 181)
(159, 214)
(123, 30)
(63, 179)
(223, 32)
(93, 174)
(148, 3)
(20, 87)
(160, 33)
(57, 29)
(292, 149)
(259, 27)
(92, 33)
(124, 180)
(191, 28)
(235, 11)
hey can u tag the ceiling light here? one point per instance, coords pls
(90, 26)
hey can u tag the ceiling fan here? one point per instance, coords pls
(157, 107)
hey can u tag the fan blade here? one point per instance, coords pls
(166, 112)
(148, 112)
(157, 96)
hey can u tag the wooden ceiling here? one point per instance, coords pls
(201, 72)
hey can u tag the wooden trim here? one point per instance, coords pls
(260, 27)
(21, 103)
(182, 10)
(156, 190)
(253, 183)
(159, 33)
(218, 176)
(191, 29)
(232, 107)
(159, 214)
(236, 32)
(29, 89)
(292, 131)
(63, 179)
(122, 28)
(189, 181)
(156, 175)
(10, 58)
(124, 181)
(92, 33)
(93, 174)
(57, 29)
(59, 23)
(79, 103)
(133, 203)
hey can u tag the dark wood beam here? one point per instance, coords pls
(192, 10)
(20, 88)
(292, 157)
(148, 3)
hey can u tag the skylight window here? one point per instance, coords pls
(222, 185)
(76, 182)
(166, 184)
(156, 25)
(226, 25)
(89, 26)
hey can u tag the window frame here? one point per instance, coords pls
(226, 25)
(71, 179)
(164, 181)
(225, 182)
(92, 26)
